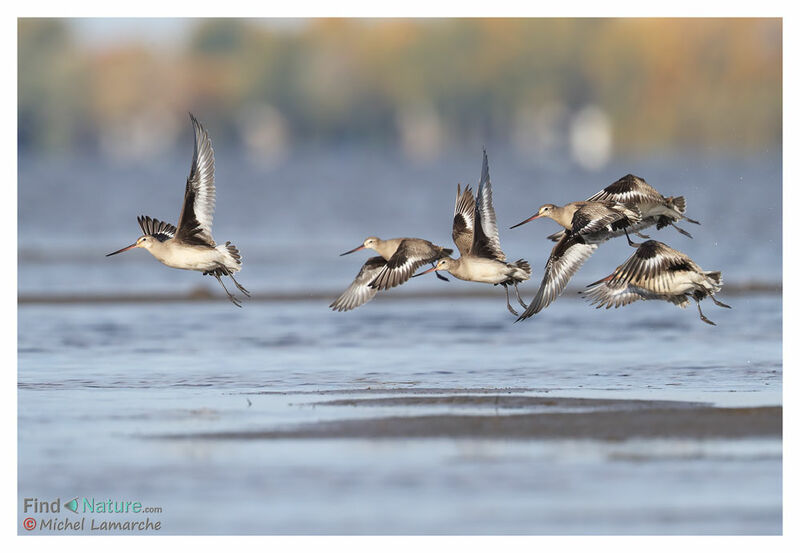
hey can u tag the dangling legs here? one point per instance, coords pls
(519, 298)
(231, 297)
(679, 229)
(508, 303)
(640, 235)
(241, 288)
(703, 317)
(630, 243)
(715, 300)
(691, 220)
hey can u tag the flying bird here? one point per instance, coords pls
(476, 237)
(657, 272)
(587, 224)
(633, 191)
(398, 259)
(190, 245)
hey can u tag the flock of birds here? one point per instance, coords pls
(629, 205)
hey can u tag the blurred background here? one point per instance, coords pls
(329, 130)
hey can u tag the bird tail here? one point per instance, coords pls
(522, 270)
(678, 203)
(233, 252)
(716, 276)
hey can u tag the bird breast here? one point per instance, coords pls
(193, 258)
(479, 269)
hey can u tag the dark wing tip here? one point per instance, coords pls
(484, 169)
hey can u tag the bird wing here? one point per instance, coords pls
(410, 256)
(197, 215)
(611, 294)
(603, 217)
(565, 259)
(464, 220)
(153, 227)
(630, 189)
(486, 242)
(359, 291)
(653, 267)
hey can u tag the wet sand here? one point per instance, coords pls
(555, 419)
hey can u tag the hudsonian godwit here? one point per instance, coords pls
(657, 272)
(587, 224)
(397, 260)
(633, 191)
(190, 246)
(476, 237)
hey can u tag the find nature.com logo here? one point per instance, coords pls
(44, 518)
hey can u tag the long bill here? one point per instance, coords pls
(361, 247)
(122, 250)
(527, 220)
(424, 272)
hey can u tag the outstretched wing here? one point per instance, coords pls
(603, 217)
(486, 242)
(197, 215)
(611, 294)
(410, 256)
(359, 292)
(654, 267)
(153, 227)
(464, 220)
(629, 189)
(565, 259)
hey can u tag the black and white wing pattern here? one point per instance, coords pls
(630, 189)
(654, 271)
(359, 292)
(655, 266)
(197, 215)
(608, 294)
(411, 254)
(158, 229)
(486, 242)
(606, 218)
(464, 220)
(565, 259)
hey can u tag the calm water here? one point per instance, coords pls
(101, 385)
(290, 222)
(97, 383)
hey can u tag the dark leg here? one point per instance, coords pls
(691, 220)
(640, 235)
(234, 300)
(508, 303)
(715, 300)
(440, 277)
(679, 229)
(241, 288)
(630, 243)
(703, 317)
(519, 298)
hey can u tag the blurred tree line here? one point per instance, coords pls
(664, 83)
